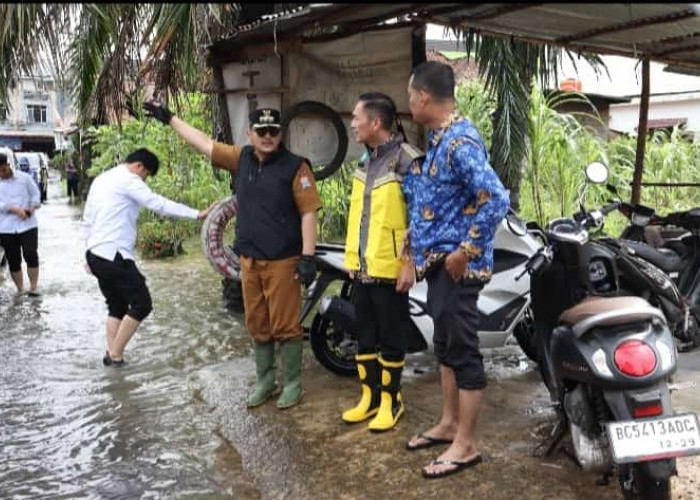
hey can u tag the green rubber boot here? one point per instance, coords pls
(291, 370)
(265, 369)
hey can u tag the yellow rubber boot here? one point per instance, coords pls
(391, 406)
(368, 371)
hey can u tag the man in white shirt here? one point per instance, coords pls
(109, 220)
(19, 234)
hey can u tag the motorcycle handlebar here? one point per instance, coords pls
(533, 265)
(610, 208)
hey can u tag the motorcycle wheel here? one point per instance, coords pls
(334, 348)
(642, 487)
(524, 333)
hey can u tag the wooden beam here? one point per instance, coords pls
(641, 134)
(638, 23)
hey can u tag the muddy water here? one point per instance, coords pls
(69, 427)
(172, 424)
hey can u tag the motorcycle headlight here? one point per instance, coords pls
(597, 270)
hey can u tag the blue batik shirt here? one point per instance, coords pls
(455, 199)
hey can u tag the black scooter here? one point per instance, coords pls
(670, 245)
(606, 360)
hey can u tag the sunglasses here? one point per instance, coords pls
(263, 131)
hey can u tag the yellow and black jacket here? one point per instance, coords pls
(378, 219)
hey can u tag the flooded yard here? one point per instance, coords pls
(173, 422)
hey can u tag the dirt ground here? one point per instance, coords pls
(308, 452)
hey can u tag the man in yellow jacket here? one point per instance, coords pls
(377, 223)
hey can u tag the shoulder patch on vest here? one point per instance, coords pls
(412, 151)
(410, 155)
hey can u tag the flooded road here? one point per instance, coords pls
(173, 423)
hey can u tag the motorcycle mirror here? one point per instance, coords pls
(516, 225)
(597, 173)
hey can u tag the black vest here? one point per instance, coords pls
(268, 224)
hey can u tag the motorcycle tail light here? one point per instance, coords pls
(635, 358)
(648, 410)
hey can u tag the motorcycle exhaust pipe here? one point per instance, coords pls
(339, 311)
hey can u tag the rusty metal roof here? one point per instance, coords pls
(664, 32)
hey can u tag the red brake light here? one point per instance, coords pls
(635, 358)
(648, 411)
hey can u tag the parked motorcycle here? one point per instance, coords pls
(606, 360)
(503, 302)
(668, 245)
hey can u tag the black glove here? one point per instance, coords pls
(159, 112)
(306, 269)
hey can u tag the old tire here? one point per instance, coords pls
(220, 255)
(320, 109)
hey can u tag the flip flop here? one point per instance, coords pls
(34, 293)
(459, 466)
(431, 441)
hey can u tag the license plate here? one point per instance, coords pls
(654, 438)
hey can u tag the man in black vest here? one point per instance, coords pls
(276, 237)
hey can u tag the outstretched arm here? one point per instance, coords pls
(195, 137)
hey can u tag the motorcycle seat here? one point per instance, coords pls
(608, 311)
(665, 259)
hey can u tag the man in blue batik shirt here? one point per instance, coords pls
(455, 202)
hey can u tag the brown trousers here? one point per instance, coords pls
(272, 299)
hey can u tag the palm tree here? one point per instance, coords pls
(509, 68)
(103, 51)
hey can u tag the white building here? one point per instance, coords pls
(37, 116)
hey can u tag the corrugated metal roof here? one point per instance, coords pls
(664, 32)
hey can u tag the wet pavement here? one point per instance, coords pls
(173, 424)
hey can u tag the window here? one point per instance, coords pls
(36, 113)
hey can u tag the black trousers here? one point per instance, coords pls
(123, 286)
(72, 186)
(382, 319)
(452, 306)
(18, 245)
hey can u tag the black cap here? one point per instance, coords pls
(264, 117)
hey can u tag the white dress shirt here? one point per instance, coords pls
(112, 208)
(18, 191)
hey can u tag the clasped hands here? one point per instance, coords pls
(22, 213)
